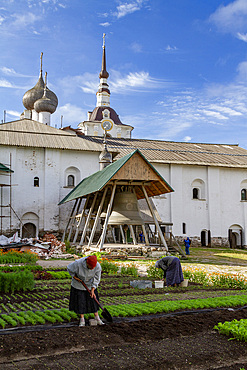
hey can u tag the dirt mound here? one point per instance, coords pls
(185, 341)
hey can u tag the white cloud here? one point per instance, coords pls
(171, 48)
(214, 114)
(1, 19)
(11, 72)
(106, 24)
(187, 138)
(119, 83)
(231, 18)
(24, 20)
(242, 37)
(5, 83)
(137, 48)
(71, 115)
(128, 8)
(13, 113)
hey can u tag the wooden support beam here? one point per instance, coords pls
(88, 218)
(133, 234)
(155, 219)
(122, 233)
(145, 235)
(81, 218)
(97, 216)
(70, 219)
(107, 216)
(73, 221)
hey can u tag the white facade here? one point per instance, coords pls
(95, 129)
(40, 181)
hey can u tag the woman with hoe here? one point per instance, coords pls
(81, 301)
(172, 270)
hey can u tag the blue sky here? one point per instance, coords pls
(178, 68)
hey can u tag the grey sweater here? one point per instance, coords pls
(164, 263)
(90, 277)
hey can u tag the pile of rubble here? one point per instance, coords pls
(47, 247)
(50, 247)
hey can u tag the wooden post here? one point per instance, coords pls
(81, 218)
(155, 219)
(122, 233)
(73, 219)
(133, 234)
(97, 217)
(107, 216)
(70, 218)
(145, 235)
(88, 219)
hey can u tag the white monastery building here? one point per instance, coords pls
(40, 165)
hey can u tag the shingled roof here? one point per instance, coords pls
(29, 133)
(100, 179)
(158, 151)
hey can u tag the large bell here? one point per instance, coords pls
(125, 209)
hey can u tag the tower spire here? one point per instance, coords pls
(103, 72)
(103, 93)
(41, 64)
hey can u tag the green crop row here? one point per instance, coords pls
(32, 268)
(59, 274)
(37, 317)
(236, 329)
(16, 281)
(137, 309)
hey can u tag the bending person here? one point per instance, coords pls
(89, 271)
(172, 270)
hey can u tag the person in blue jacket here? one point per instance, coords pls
(187, 243)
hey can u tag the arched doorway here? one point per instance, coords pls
(30, 225)
(28, 230)
(235, 236)
(203, 238)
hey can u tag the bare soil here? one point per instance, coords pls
(184, 341)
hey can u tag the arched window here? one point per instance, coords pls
(195, 193)
(71, 181)
(198, 188)
(36, 182)
(243, 194)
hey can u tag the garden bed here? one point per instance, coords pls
(167, 328)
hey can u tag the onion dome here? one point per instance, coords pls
(30, 97)
(105, 158)
(48, 102)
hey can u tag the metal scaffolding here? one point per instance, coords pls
(6, 193)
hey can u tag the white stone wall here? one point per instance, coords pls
(49, 166)
(219, 210)
(95, 129)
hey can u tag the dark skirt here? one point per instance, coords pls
(81, 302)
(174, 274)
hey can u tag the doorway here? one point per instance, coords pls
(28, 230)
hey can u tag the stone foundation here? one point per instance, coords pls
(216, 242)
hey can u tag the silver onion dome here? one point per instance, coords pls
(48, 102)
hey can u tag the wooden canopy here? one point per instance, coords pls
(99, 190)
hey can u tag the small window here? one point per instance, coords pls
(243, 194)
(36, 182)
(71, 181)
(184, 227)
(195, 193)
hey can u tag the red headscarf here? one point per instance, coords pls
(92, 261)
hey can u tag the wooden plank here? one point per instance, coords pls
(136, 169)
